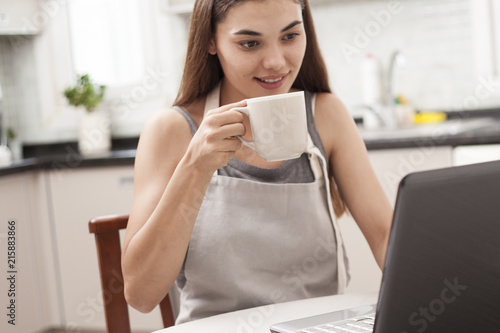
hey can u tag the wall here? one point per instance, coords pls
(436, 36)
(19, 81)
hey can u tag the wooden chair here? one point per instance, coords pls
(107, 237)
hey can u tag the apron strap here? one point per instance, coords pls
(314, 153)
(212, 102)
(213, 99)
(313, 159)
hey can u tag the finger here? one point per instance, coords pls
(225, 132)
(231, 145)
(227, 107)
(224, 118)
(231, 130)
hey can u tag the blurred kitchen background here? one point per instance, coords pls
(136, 48)
(436, 55)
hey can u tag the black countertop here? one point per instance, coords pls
(65, 155)
(71, 160)
(468, 132)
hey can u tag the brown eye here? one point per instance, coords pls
(249, 44)
(290, 36)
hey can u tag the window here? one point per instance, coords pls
(134, 47)
(107, 40)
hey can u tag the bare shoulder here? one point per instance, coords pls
(329, 108)
(162, 144)
(333, 121)
(165, 129)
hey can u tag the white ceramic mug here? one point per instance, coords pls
(279, 125)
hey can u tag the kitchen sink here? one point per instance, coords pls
(430, 130)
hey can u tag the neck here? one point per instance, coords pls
(228, 94)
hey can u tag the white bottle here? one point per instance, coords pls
(371, 81)
(5, 156)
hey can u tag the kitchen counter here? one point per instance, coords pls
(461, 129)
(70, 160)
(454, 132)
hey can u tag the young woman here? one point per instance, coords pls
(232, 229)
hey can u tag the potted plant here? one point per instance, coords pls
(94, 134)
(14, 144)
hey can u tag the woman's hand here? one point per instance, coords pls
(215, 142)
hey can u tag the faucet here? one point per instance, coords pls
(397, 59)
(384, 114)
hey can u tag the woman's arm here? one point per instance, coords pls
(172, 172)
(353, 173)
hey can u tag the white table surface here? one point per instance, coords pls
(259, 319)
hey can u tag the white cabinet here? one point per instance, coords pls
(47, 273)
(77, 196)
(390, 166)
(25, 250)
(476, 154)
(24, 17)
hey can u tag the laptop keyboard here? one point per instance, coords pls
(362, 324)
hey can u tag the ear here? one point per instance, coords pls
(212, 49)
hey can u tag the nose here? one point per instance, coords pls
(274, 57)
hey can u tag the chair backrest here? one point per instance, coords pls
(107, 237)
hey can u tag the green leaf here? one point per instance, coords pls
(85, 93)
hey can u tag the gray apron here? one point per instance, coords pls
(257, 243)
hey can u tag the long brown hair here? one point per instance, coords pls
(202, 71)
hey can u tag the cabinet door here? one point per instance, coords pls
(463, 155)
(390, 167)
(21, 294)
(24, 17)
(44, 243)
(78, 195)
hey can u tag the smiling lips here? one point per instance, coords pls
(271, 82)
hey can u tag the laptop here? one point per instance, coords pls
(442, 269)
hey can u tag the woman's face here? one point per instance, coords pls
(260, 45)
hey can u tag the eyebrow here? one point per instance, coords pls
(255, 33)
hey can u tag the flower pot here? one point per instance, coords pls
(95, 133)
(16, 147)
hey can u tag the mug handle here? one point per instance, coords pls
(246, 111)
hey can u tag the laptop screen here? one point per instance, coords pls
(442, 271)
